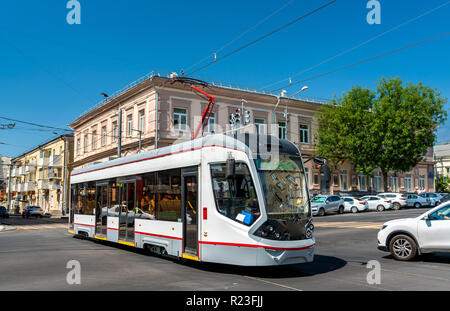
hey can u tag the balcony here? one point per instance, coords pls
(54, 175)
(55, 161)
(42, 162)
(54, 185)
(30, 167)
(20, 187)
(29, 186)
(21, 170)
(43, 184)
(41, 175)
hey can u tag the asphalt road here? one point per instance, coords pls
(35, 259)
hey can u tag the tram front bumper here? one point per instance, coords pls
(285, 255)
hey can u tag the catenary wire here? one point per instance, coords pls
(362, 61)
(262, 37)
(359, 45)
(242, 34)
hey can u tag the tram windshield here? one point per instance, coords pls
(284, 186)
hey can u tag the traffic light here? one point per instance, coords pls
(247, 117)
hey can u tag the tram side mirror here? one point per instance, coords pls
(231, 169)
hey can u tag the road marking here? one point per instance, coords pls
(273, 283)
(349, 224)
(40, 227)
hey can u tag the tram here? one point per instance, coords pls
(220, 198)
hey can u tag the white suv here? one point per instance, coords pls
(407, 238)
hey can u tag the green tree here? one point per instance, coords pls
(442, 184)
(390, 129)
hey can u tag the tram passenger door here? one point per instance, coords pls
(189, 203)
(127, 212)
(101, 210)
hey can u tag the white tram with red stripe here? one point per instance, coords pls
(224, 199)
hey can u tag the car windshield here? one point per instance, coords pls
(318, 199)
(284, 186)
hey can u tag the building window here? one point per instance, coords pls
(304, 134)
(94, 140)
(210, 127)
(307, 175)
(78, 146)
(316, 179)
(282, 130)
(362, 182)
(422, 181)
(394, 184)
(408, 185)
(377, 181)
(180, 119)
(142, 121)
(260, 126)
(103, 135)
(115, 131)
(130, 125)
(335, 180)
(86, 143)
(344, 185)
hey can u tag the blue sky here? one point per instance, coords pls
(50, 71)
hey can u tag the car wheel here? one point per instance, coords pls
(403, 247)
(321, 212)
(354, 210)
(396, 206)
(417, 205)
(341, 209)
(380, 208)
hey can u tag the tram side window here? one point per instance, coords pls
(114, 200)
(90, 199)
(235, 196)
(169, 195)
(147, 199)
(79, 199)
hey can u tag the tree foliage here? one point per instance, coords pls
(390, 129)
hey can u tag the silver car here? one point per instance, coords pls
(415, 200)
(324, 204)
(435, 198)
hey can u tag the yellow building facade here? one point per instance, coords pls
(40, 177)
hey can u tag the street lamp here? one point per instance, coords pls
(287, 103)
(283, 94)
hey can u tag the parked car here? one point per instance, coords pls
(324, 204)
(407, 238)
(445, 198)
(354, 205)
(4, 212)
(398, 199)
(415, 200)
(35, 211)
(435, 198)
(376, 203)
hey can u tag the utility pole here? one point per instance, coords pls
(119, 139)
(66, 163)
(9, 187)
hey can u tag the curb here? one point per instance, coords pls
(6, 228)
